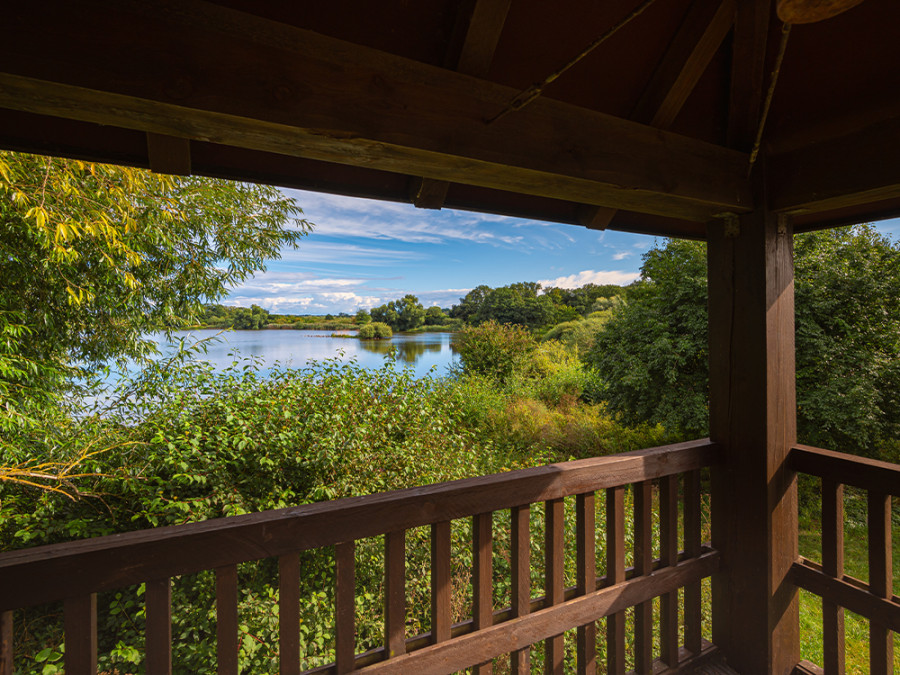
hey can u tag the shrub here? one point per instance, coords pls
(375, 331)
(495, 350)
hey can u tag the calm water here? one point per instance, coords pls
(424, 352)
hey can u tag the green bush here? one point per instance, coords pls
(375, 331)
(494, 350)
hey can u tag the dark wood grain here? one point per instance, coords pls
(7, 648)
(482, 579)
(668, 548)
(159, 626)
(586, 578)
(881, 642)
(643, 565)
(520, 556)
(80, 624)
(615, 574)
(227, 642)
(169, 154)
(440, 581)
(693, 598)
(289, 614)
(833, 565)
(748, 75)
(862, 472)
(345, 606)
(554, 580)
(395, 593)
(106, 563)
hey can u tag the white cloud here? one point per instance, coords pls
(599, 277)
(621, 255)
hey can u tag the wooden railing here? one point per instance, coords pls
(75, 572)
(874, 600)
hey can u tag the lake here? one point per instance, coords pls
(423, 352)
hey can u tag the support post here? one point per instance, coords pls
(753, 419)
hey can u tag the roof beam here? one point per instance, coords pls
(253, 83)
(169, 154)
(485, 24)
(751, 34)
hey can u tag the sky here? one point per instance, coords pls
(363, 253)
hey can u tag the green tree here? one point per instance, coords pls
(494, 350)
(434, 316)
(93, 256)
(405, 313)
(362, 317)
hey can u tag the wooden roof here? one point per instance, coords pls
(649, 132)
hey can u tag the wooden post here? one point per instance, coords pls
(753, 419)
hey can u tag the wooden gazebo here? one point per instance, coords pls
(708, 119)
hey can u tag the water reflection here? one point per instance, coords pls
(407, 351)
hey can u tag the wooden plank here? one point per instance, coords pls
(395, 593)
(554, 580)
(467, 650)
(482, 579)
(668, 548)
(833, 565)
(80, 624)
(586, 578)
(698, 39)
(849, 593)
(693, 599)
(169, 154)
(158, 600)
(227, 643)
(105, 563)
(7, 647)
(520, 558)
(751, 32)
(752, 406)
(643, 565)
(615, 574)
(862, 472)
(428, 194)
(440, 581)
(345, 606)
(881, 642)
(595, 217)
(349, 104)
(289, 614)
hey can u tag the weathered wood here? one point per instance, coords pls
(554, 580)
(395, 593)
(520, 562)
(477, 647)
(615, 574)
(668, 550)
(80, 625)
(881, 642)
(586, 578)
(751, 32)
(482, 579)
(440, 581)
(752, 408)
(847, 592)
(862, 472)
(693, 598)
(227, 643)
(833, 565)
(595, 217)
(428, 194)
(812, 11)
(345, 606)
(119, 560)
(7, 647)
(348, 104)
(289, 614)
(159, 626)
(643, 565)
(169, 154)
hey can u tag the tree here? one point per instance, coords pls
(434, 316)
(362, 317)
(494, 350)
(652, 354)
(403, 314)
(93, 256)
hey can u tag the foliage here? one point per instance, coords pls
(93, 256)
(240, 318)
(435, 316)
(494, 350)
(362, 317)
(403, 314)
(578, 335)
(375, 331)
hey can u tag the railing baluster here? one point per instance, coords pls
(881, 643)
(227, 620)
(159, 626)
(554, 582)
(440, 581)
(345, 606)
(81, 634)
(520, 525)
(585, 517)
(289, 614)
(668, 553)
(693, 597)
(615, 574)
(395, 593)
(7, 651)
(643, 564)
(833, 565)
(482, 581)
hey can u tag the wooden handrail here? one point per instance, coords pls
(869, 474)
(83, 567)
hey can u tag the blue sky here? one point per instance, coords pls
(363, 253)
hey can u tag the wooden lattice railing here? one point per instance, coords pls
(75, 572)
(874, 600)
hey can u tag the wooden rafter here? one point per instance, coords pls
(272, 87)
(169, 154)
(751, 32)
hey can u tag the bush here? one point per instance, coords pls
(375, 331)
(495, 350)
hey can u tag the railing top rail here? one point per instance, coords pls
(870, 474)
(50, 573)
